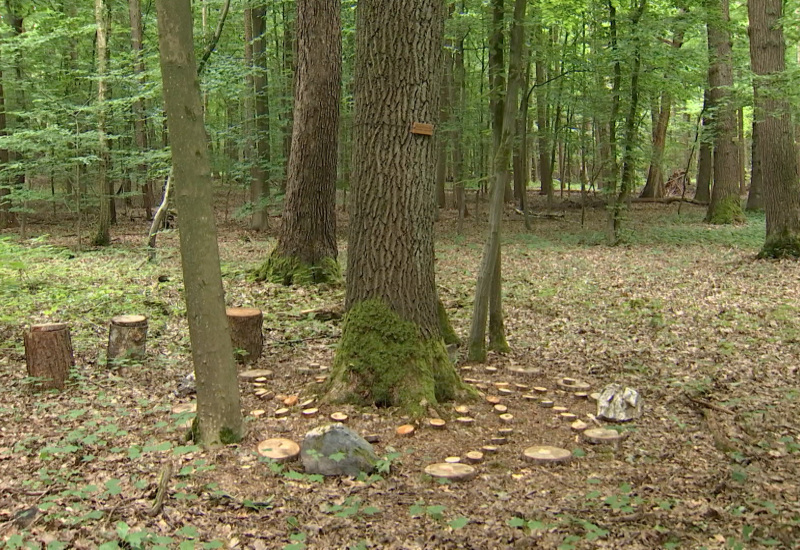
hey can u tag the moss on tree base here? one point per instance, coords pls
(782, 245)
(384, 360)
(728, 211)
(290, 270)
(445, 327)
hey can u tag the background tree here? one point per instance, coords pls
(219, 415)
(105, 190)
(392, 351)
(306, 249)
(775, 150)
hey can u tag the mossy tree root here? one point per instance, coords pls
(384, 360)
(446, 327)
(781, 245)
(728, 211)
(290, 270)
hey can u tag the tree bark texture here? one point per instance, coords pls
(704, 155)
(755, 196)
(306, 250)
(219, 415)
(725, 206)
(542, 130)
(139, 124)
(48, 354)
(259, 172)
(392, 350)
(127, 339)
(246, 333)
(776, 149)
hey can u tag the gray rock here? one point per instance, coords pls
(335, 450)
(619, 404)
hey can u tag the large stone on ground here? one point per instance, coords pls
(335, 450)
(618, 403)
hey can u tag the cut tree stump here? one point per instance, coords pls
(246, 336)
(602, 435)
(453, 472)
(48, 354)
(127, 339)
(544, 454)
(279, 449)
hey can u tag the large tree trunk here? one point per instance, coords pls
(726, 205)
(392, 351)
(139, 124)
(219, 414)
(776, 147)
(755, 196)
(306, 249)
(542, 130)
(488, 289)
(259, 172)
(704, 157)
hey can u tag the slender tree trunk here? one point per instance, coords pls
(776, 143)
(102, 235)
(139, 124)
(654, 186)
(306, 249)
(288, 8)
(7, 217)
(520, 162)
(392, 351)
(755, 196)
(488, 288)
(725, 206)
(259, 168)
(219, 414)
(442, 138)
(704, 156)
(740, 143)
(610, 189)
(542, 130)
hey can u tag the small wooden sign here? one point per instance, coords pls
(422, 129)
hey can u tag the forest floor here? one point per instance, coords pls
(682, 312)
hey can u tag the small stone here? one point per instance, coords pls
(500, 409)
(453, 459)
(618, 403)
(507, 418)
(437, 423)
(474, 457)
(546, 403)
(283, 411)
(339, 417)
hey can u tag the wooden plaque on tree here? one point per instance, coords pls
(422, 129)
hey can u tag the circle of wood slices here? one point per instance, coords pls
(452, 472)
(545, 454)
(602, 435)
(279, 449)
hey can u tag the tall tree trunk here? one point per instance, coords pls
(139, 124)
(704, 156)
(7, 217)
(520, 162)
(102, 235)
(442, 138)
(755, 196)
(392, 351)
(289, 9)
(726, 205)
(488, 288)
(219, 413)
(497, 80)
(776, 145)
(306, 249)
(259, 168)
(610, 189)
(542, 130)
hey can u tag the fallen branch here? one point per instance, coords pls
(163, 482)
(709, 405)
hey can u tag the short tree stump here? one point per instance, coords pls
(127, 339)
(246, 335)
(48, 354)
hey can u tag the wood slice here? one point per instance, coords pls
(505, 432)
(127, 338)
(453, 472)
(547, 404)
(310, 412)
(579, 426)
(283, 411)
(474, 457)
(462, 409)
(544, 454)
(500, 409)
(529, 397)
(453, 459)
(279, 449)
(507, 418)
(539, 389)
(493, 399)
(48, 354)
(568, 416)
(573, 385)
(505, 391)
(437, 423)
(405, 430)
(246, 335)
(498, 440)
(372, 438)
(489, 449)
(339, 417)
(491, 369)
(255, 374)
(602, 435)
(291, 401)
(465, 420)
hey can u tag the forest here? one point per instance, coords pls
(420, 274)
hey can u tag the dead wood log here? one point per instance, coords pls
(48, 354)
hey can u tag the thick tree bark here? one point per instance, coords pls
(259, 173)
(306, 249)
(776, 147)
(139, 124)
(725, 206)
(487, 291)
(219, 415)
(102, 235)
(392, 351)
